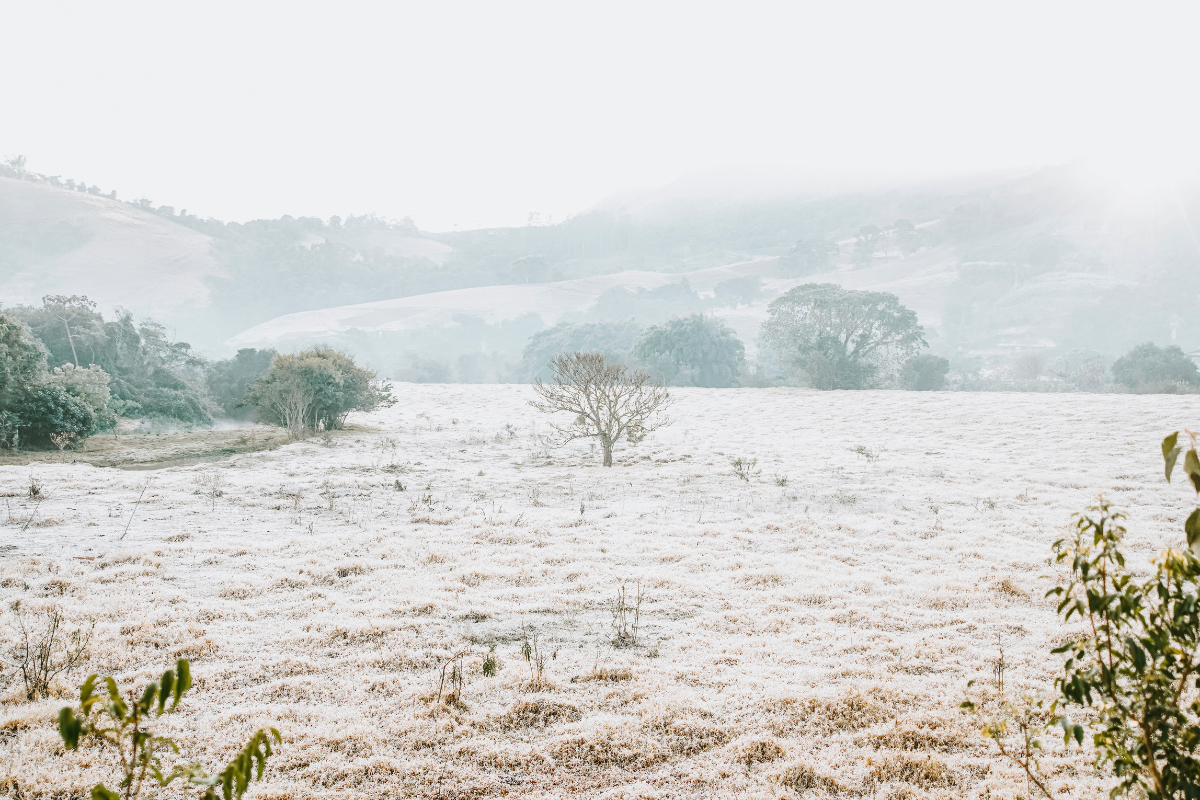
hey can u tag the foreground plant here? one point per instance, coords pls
(1136, 668)
(123, 724)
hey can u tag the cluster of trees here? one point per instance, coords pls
(135, 371)
(683, 351)
(117, 368)
(823, 335)
(46, 407)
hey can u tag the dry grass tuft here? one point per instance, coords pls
(925, 734)
(540, 712)
(608, 741)
(926, 771)
(750, 750)
(801, 776)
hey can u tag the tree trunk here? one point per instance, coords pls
(607, 454)
(72, 341)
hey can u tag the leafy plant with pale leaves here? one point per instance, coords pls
(123, 723)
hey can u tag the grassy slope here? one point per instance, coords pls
(64, 242)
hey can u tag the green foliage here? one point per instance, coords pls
(229, 379)
(842, 338)
(646, 305)
(22, 363)
(925, 373)
(1134, 662)
(1137, 662)
(314, 390)
(149, 375)
(611, 339)
(870, 237)
(47, 410)
(124, 724)
(41, 408)
(531, 269)
(1149, 367)
(691, 351)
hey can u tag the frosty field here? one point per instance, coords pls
(810, 630)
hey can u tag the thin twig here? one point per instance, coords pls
(31, 516)
(135, 505)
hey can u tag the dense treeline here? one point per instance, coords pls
(69, 373)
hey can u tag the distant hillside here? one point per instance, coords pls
(56, 241)
(1052, 260)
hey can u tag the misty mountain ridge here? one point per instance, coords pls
(1051, 259)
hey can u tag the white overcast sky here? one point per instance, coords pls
(475, 114)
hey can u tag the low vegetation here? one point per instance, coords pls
(125, 724)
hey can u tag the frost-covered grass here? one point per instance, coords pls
(811, 629)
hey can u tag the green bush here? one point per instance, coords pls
(925, 373)
(314, 390)
(611, 339)
(43, 408)
(1148, 367)
(691, 351)
(48, 411)
(229, 379)
(842, 338)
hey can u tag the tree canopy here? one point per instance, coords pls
(691, 351)
(1149, 366)
(842, 338)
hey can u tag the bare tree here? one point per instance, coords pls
(65, 310)
(609, 401)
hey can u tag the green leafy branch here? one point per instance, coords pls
(108, 719)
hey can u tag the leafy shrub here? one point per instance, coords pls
(229, 379)
(691, 351)
(738, 291)
(807, 257)
(1133, 665)
(149, 375)
(50, 410)
(109, 720)
(314, 390)
(925, 373)
(1149, 367)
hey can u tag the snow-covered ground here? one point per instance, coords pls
(812, 629)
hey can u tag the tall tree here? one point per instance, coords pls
(842, 338)
(66, 310)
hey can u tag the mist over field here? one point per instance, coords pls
(464, 400)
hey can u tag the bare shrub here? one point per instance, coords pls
(626, 610)
(43, 649)
(745, 468)
(609, 401)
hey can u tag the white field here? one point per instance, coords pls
(815, 637)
